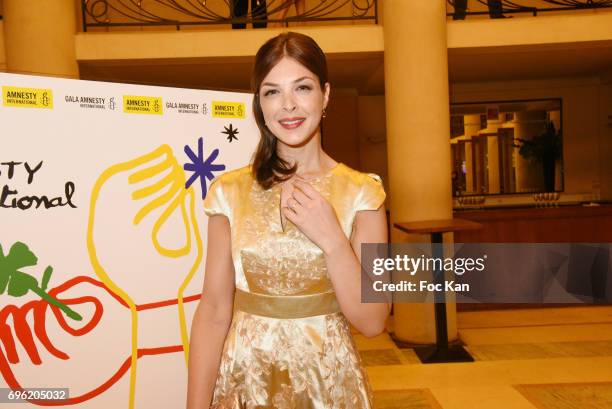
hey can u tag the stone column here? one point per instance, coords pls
(39, 37)
(418, 135)
(493, 153)
(2, 52)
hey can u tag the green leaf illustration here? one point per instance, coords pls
(17, 283)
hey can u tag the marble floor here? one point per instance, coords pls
(550, 358)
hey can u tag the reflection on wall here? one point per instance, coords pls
(528, 125)
(485, 147)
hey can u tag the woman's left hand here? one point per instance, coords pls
(314, 216)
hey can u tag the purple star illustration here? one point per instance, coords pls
(202, 169)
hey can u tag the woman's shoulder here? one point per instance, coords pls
(366, 188)
(226, 190)
(235, 177)
(357, 177)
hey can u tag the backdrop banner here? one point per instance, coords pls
(103, 235)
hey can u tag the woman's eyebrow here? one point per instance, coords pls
(271, 84)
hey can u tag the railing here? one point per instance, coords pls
(125, 13)
(510, 7)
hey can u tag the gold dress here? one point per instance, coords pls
(289, 345)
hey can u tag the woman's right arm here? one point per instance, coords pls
(213, 315)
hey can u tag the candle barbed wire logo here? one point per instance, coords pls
(45, 99)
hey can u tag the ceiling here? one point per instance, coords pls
(530, 62)
(365, 71)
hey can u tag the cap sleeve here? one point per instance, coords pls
(372, 194)
(215, 201)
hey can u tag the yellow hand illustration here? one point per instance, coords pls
(143, 237)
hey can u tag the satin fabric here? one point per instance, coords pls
(288, 346)
(296, 306)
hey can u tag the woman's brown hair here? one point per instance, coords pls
(268, 167)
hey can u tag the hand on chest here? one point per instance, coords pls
(310, 210)
(286, 193)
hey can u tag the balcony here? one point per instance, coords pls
(215, 14)
(506, 8)
(184, 14)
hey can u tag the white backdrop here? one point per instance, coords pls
(94, 183)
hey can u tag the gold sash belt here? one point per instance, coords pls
(292, 306)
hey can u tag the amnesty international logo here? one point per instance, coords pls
(133, 104)
(222, 109)
(27, 97)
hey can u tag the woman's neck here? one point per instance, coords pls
(311, 160)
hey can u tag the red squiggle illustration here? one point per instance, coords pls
(166, 303)
(8, 352)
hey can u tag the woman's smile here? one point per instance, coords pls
(292, 123)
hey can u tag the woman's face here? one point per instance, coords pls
(292, 102)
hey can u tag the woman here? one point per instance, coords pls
(283, 272)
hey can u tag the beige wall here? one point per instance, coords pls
(355, 131)
(371, 132)
(581, 118)
(2, 52)
(524, 30)
(135, 45)
(605, 147)
(340, 138)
